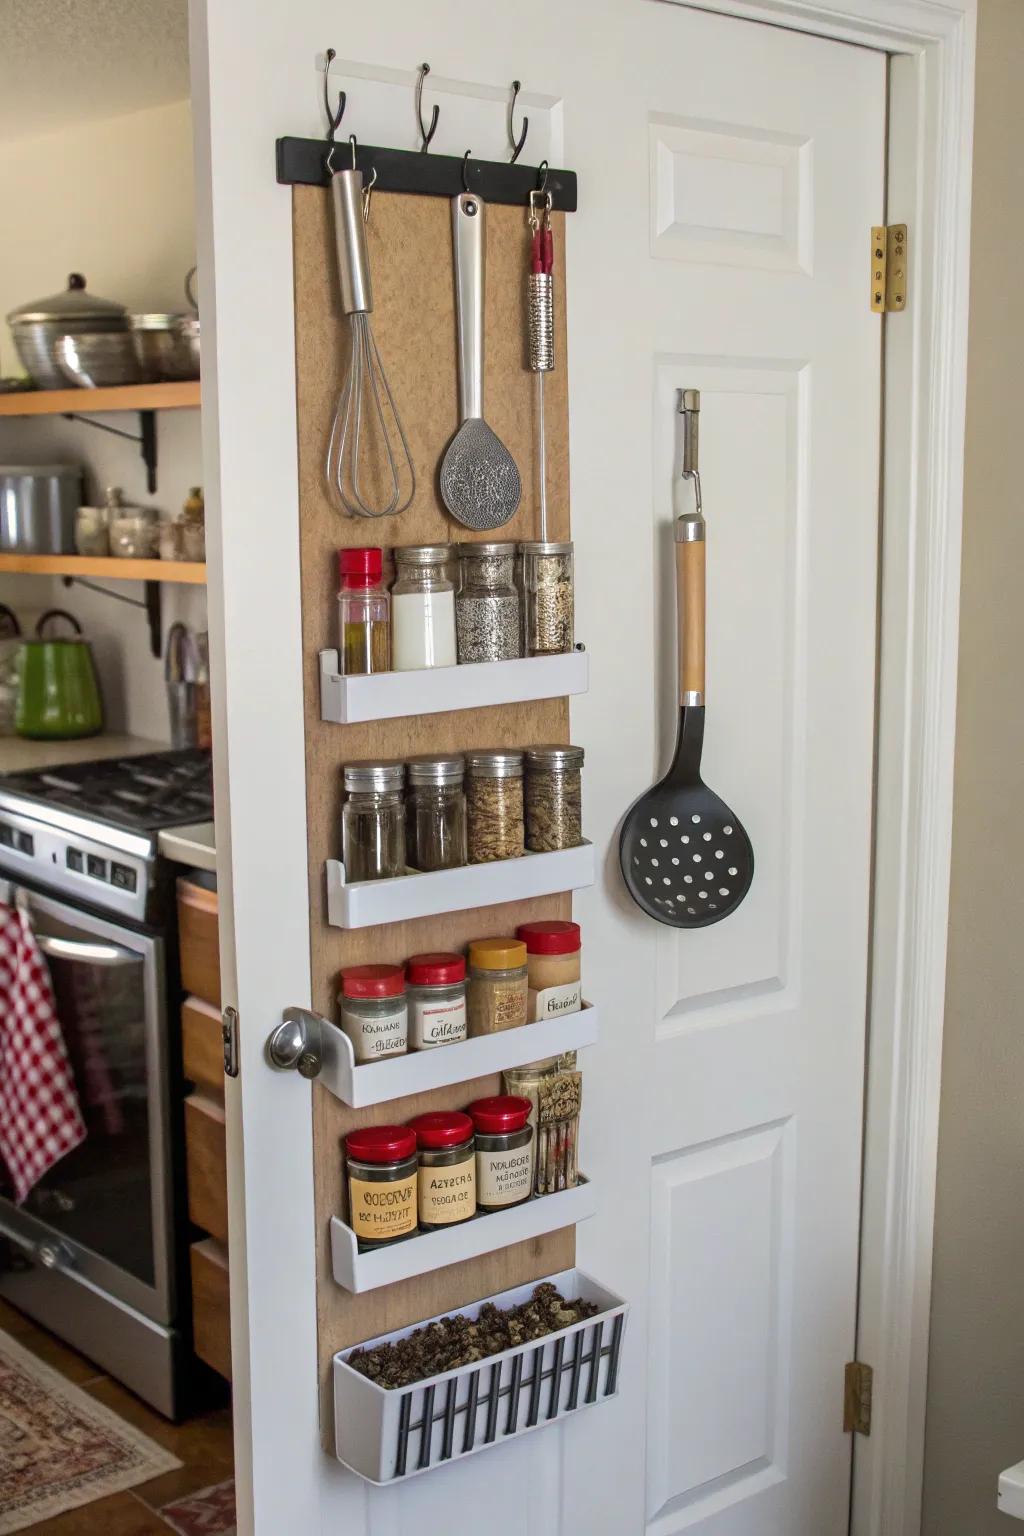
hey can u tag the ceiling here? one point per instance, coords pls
(73, 61)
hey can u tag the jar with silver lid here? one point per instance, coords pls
(554, 798)
(548, 598)
(373, 821)
(494, 805)
(487, 606)
(422, 609)
(435, 828)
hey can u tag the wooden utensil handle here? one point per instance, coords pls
(690, 608)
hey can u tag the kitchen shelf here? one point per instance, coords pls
(377, 1082)
(181, 572)
(368, 902)
(418, 1255)
(126, 397)
(436, 690)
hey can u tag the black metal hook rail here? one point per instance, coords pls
(303, 162)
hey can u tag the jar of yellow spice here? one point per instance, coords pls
(553, 968)
(497, 985)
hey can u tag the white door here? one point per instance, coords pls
(728, 174)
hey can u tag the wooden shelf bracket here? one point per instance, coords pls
(145, 437)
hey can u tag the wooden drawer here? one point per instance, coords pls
(202, 1046)
(206, 1164)
(211, 1307)
(199, 942)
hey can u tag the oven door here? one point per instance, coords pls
(104, 1212)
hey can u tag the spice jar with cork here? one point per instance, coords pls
(382, 1168)
(553, 968)
(497, 985)
(374, 1011)
(436, 992)
(494, 805)
(447, 1173)
(504, 1152)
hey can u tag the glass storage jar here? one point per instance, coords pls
(552, 968)
(435, 813)
(554, 798)
(497, 985)
(548, 597)
(494, 805)
(382, 1166)
(504, 1151)
(364, 613)
(447, 1176)
(525, 1083)
(374, 1011)
(373, 821)
(487, 617)
(422, 609)
(92, 531)
(436, 992)
(134, 531)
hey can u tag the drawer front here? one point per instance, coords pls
(211, 1308)
(206, 1164)
(199, 942)
(202, 1045)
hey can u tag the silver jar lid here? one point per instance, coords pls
(539, 547)
(155, 322)
(74, 304)
(423, 554)
(370, 776)
(495, 763)
(436, 769)
(555, 758)
(473, 551)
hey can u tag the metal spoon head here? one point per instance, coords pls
(686, 859)
(480, 483)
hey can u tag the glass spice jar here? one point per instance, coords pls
(436, 992)
(525, 1082)
(364, 612)
(494, 805)
(553, 968)
(382, 1165)
(373, 821)
(374, 1011)
(447, 1173)
(497, 985)
(435, 809)
(487, 618)
(559, 1100)
(422, 609)
(548, 598)
(554, 798)
(504, 1151)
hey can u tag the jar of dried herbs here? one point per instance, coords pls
(494, 805)
(548, 597)
(374, 1011)
(373, 821)
(364, 612)
(554, 798)
(436, 990)
(487, 605)
(435, 820)
(560, 1097)
(497, 985)
(553, 968)
(382, 1165)
(447, 1176)
(504, 1154)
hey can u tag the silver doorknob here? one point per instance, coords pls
(296, 1045)
(54, 1256)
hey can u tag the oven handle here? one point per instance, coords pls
(77, 949)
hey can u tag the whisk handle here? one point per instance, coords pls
(350, 242)
(468, 242)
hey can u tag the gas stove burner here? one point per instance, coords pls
(144, 794)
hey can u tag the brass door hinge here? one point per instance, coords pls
(857, 1398)
(888, 268)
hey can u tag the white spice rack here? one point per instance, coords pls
(377, 1082)
(485, 1233)
(437, 690)
(365, 903)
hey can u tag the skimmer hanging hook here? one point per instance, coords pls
(426, 134)
(517, 144)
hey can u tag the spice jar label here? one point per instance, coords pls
(432, 1024)
(504, 1177)
(553, 1002)
(447, 1194)
(381, 1036)
(382, 1210)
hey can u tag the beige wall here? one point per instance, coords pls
(975, 1423)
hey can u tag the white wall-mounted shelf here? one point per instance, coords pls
(377, 1082)
(418, 1255)
(366, 903)
(436, 690)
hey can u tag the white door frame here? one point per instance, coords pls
(248, 87)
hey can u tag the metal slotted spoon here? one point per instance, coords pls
(686, 858)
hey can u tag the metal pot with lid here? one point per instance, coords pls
(37, 328)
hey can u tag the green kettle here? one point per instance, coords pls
(58, 697)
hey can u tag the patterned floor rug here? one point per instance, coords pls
(208, 1513)
(58, 1448)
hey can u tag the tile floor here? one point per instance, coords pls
(203, 1445)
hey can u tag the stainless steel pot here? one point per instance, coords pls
(38, 327)
(38, 503)
(161, 349)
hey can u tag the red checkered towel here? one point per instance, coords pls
(40, 1117)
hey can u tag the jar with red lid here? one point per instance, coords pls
(436, 994)
(552, 968)
(382, 1167)
(374, 1011)
(364, 612)
(447, 1176)
(504, 1151)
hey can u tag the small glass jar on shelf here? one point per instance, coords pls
(504, 1151)
(497, 985)
(364, 613)
(487, 617)
(494, 804)
(422, 609)
(374, 1011)
(436, 992)
(554, 798)
(436, 813)
(373, 821)
(382, 1174)
(548, 597)
(447, 1173)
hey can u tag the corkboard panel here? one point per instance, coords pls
(414, 325)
